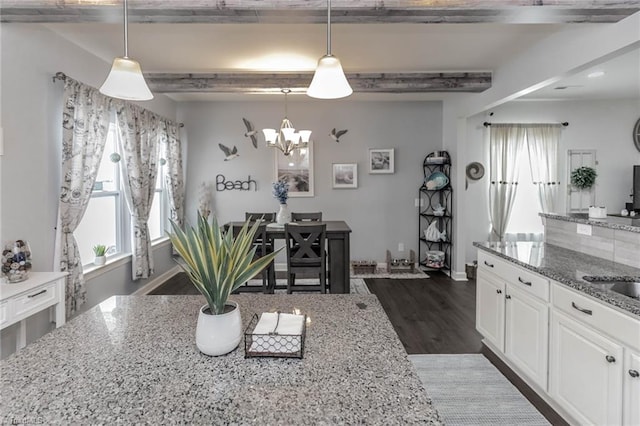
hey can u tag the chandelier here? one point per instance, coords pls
(287, 139)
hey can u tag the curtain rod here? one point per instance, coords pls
(487, 124)
(62, 76)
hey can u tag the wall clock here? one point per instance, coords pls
(636, 134)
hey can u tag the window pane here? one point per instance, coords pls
(106, 178)
(155, 218)
(98, 226)
(160, 177)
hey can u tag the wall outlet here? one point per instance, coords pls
(401, 247)
(583, 229)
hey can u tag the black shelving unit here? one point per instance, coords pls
(430, 198)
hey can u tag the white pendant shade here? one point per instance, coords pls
(125, 81)
(329, 81)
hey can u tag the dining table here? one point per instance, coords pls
(133, 360)
(339, 260)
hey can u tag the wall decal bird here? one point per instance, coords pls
(335, 135)
(251, 132)
(230, 154)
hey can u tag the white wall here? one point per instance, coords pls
(604, 125)
(31, 118)
(380, 212)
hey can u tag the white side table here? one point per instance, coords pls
(18, 301)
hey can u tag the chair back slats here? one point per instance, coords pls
(268, 217)
(306, 217)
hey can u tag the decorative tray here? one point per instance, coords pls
(436, 181)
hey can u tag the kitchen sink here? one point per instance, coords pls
(626, 288)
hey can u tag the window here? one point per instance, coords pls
(107, 218)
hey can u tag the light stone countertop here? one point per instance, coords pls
(568, 267)
(133, 360)
(631, 224)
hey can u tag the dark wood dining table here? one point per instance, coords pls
(338, 233)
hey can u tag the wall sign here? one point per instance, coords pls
(222, 184)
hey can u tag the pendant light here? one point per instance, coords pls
(125, 80)
(329, 81)
(287, 139)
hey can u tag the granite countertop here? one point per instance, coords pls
(133, 360)
(568, 267)
(631, 224)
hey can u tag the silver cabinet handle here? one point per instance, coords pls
(37, 294)
(524, 282)
(585, 311)
(634, 373)
(499, 291)
(490, 265)
(610, 359)
(508, 297)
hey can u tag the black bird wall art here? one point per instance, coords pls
(229, 154)
(251, 132)
(335, 135)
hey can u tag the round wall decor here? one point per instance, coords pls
(475, 171)
(636, 134)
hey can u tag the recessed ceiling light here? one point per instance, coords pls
(596, 74)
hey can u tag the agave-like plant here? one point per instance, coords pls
(215, 261)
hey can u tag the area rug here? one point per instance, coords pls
(382, 273)
(469, 390)
(357, 285)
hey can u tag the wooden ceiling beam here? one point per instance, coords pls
(470, 82)
(314, 11)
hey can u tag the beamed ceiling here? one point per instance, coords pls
(94, 25)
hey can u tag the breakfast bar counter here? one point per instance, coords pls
(133, 359)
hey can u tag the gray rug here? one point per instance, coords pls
(382, 273)
(469, 390)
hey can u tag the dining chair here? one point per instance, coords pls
(306, 217)
(268, 217)
(263, 246)
(306, 254)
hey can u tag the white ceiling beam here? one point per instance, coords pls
(314, 11)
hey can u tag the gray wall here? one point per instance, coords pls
(380, 212)
(30, 167)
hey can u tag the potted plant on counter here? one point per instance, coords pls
(217, 264)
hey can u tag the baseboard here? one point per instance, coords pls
(458, 276)
(156, 282)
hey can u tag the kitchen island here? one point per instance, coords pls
(133, 359)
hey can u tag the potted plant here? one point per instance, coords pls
(281, 192)
(217, 264)
(100, 251)
(583, 177)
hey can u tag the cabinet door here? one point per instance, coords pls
(527, 334)
(585, 372)
(632, 389)
(490, 308)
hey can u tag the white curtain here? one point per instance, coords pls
(505, 143)
(543, 141)
(85, 125)
(138, 129)
(174, 177)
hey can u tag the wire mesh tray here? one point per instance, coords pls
(273, 344)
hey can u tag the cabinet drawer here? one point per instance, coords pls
(4, 313)
(518, 276)
(35, 300)
(593, 312)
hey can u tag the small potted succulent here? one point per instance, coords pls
(217, 264)
(100, 251)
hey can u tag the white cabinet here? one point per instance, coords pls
(585, 372)
(490, 308)
(527, 333)
(631, 403)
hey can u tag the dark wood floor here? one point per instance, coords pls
(431, 316)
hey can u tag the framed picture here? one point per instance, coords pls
(345, 175)
(297, 169)
(381, 160)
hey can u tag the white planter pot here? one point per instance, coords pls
(100, 260)
(218, 334)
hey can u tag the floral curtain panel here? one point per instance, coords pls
(174, 176)
(139, 139)
(85, 125)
